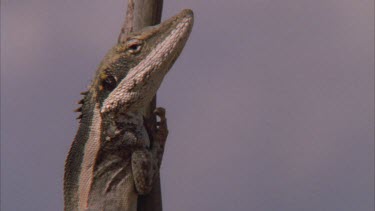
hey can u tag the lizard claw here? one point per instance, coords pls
(160, 112)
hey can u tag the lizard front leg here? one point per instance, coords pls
(146, 162)
(144, 168)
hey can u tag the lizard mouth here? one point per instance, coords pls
(143, 80)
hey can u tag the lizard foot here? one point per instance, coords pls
(162, 128)
(160, 135)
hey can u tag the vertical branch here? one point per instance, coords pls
(142, 13)
(128, 24)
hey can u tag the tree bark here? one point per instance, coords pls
(142, 13)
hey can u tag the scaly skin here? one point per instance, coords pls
(111, 160)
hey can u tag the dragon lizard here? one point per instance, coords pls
(112, 160)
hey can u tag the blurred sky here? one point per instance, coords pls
(270, 106)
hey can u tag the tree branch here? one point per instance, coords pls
(142, 13)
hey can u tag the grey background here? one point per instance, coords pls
(270, 106)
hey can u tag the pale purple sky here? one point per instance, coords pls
(270, 106)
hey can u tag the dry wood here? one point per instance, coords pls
(142, 13)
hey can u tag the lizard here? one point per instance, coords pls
(112, 160)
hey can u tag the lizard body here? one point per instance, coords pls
(112, 160)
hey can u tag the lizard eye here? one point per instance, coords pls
(109, 82)
(134, 46)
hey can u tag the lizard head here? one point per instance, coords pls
(132, 71)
